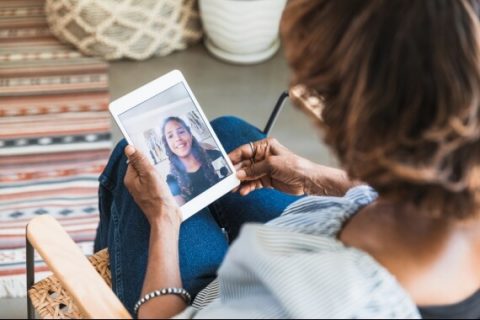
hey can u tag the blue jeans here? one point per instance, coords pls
(125, 231)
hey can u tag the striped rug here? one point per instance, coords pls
(54, 136)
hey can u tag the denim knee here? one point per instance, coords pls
(233, 132)
(116, 167)
(232, 124)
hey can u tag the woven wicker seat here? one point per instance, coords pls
(51, 300)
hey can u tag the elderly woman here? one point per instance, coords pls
(395, 87)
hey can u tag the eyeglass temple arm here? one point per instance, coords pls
(276, 111)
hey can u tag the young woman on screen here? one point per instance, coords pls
(191, 170)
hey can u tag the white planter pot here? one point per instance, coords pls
(242, 31)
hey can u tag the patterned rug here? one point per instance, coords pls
(54, 136)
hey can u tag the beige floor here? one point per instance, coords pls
(248, 92)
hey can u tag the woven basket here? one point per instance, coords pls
(135, 29)
(50, 299)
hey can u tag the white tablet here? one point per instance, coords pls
(164, 120)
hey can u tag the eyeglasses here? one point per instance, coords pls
(303, 98)
(309, 101)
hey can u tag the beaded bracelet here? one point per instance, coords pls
(157, 293)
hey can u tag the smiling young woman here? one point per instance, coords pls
(191, 169)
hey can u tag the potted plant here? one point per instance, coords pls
(242, 31)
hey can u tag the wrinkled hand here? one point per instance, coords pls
(149, 190)
(270, 165)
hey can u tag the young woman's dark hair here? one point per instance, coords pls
(178, 169)
(401, 84)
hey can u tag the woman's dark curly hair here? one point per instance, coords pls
(401, 86)
(178, 170)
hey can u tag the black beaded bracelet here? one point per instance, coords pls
(157, 293)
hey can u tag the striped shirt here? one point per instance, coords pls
(295, 267)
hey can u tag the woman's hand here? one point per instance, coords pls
(149, 190)
(153, 196)
(268, 164)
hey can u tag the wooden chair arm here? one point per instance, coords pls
(65, 259)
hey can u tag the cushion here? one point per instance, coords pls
(135, 29)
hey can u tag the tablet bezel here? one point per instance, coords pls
(150, 90)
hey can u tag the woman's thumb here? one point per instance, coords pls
(136, 159)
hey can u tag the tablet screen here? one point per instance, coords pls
(170, 131)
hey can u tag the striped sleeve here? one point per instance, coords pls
(273, 273)
(324, 215)
(294, 267)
